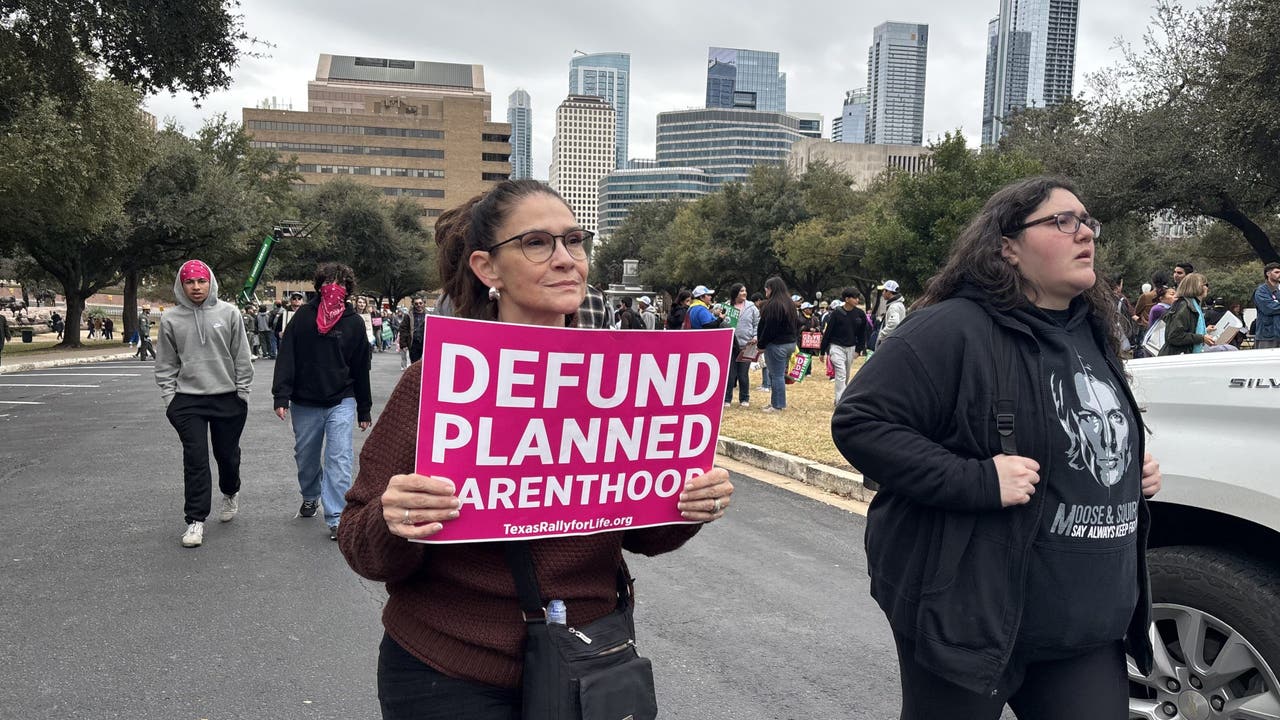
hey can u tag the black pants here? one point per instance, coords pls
(199, 419)
(145, 348)
(739, 374)
(1094, 685)
(409, 689)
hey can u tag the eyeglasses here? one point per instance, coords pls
(539, 245)
(1067, 222)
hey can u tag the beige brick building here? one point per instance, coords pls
(408, 128)
(863, 162)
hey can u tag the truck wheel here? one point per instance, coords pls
(1216, 633)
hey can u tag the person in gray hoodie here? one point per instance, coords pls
(204, 371)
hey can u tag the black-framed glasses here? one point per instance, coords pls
(539, 245)
(1067, 222)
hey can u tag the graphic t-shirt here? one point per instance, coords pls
(1082, 578)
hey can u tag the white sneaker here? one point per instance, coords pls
(230, 506)
(194, 536)
(744, 403)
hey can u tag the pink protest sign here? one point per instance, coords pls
(548, 432)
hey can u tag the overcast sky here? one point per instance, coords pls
(823, 46)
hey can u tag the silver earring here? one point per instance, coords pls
(494, 294)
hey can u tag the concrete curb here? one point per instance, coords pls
(62, 362)
(844, 483)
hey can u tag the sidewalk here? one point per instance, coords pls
(62, 358)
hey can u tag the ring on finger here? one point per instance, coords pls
(716, 506)
(406, 520)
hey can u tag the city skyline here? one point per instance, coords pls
(668, 67)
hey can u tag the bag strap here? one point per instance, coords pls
(1005, 359)
(520, 560)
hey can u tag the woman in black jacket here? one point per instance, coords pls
(1007, 542)
(776, 335)
(679, 308)
(1185, 330)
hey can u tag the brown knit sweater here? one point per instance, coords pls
(454, 606)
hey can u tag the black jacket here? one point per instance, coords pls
(948, 564)
(322, 370)
(846, 328)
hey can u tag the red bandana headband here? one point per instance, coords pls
(194, 269)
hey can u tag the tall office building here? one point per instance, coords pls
(407, 128)
(851, 125)
(745, 79)
(622, 190)
(582, 152)
(896, 64)
(810, 124)
(1031, 57)
(606, 75)
(724, 143)
(520, 118)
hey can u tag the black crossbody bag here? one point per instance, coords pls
(587, 673)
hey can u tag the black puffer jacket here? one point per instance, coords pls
(948, 565)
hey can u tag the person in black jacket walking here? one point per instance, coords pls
(1007, 544)
(844, 338)
(323, 370)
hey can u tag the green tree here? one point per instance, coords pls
(1186, 122)
(641, 236)
(54, 49)
(64, 185)
(912, 220)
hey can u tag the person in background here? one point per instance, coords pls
(777, 333)
(628, 319)
(205, 372)
(679, 309)
(411, 333)
(1149, 298)
(1185, 328)
(1166, 297)
(893, 310)
(454, 634)
(4, 333)
(647, 313)
(744, 318)
(1011, 567)
(262, 324)
(702, 315)
(844, 338)
(144, 334)
(1266, 298)
(808, 322)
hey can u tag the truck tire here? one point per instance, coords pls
(1217, 636)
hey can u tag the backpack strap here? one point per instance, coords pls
(1004, 358)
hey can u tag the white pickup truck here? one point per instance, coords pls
(1215, 539)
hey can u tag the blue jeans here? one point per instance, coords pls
(329, 428)
(777, 356)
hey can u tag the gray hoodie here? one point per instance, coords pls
(202, 350)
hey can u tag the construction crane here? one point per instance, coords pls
(286, 229)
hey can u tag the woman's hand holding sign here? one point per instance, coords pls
(416, 506)
(705, 497)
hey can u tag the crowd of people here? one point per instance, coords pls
(948, 415)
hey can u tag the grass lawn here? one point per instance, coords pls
(803, 429)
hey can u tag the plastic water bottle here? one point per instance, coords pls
(556, 613)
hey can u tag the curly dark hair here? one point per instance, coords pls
(336, 273)
(976, 258)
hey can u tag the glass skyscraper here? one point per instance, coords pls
(745, 79)
(608, 76)
(851, 126)
(520, 116)
(622, 190)
(896, 65)
(1037, 69)
(725, 143)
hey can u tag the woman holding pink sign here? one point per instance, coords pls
(455, 640)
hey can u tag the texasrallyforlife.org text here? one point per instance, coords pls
(563, 526)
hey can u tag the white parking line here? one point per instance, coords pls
(19, 402)
(33, 375)
(54, 386)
